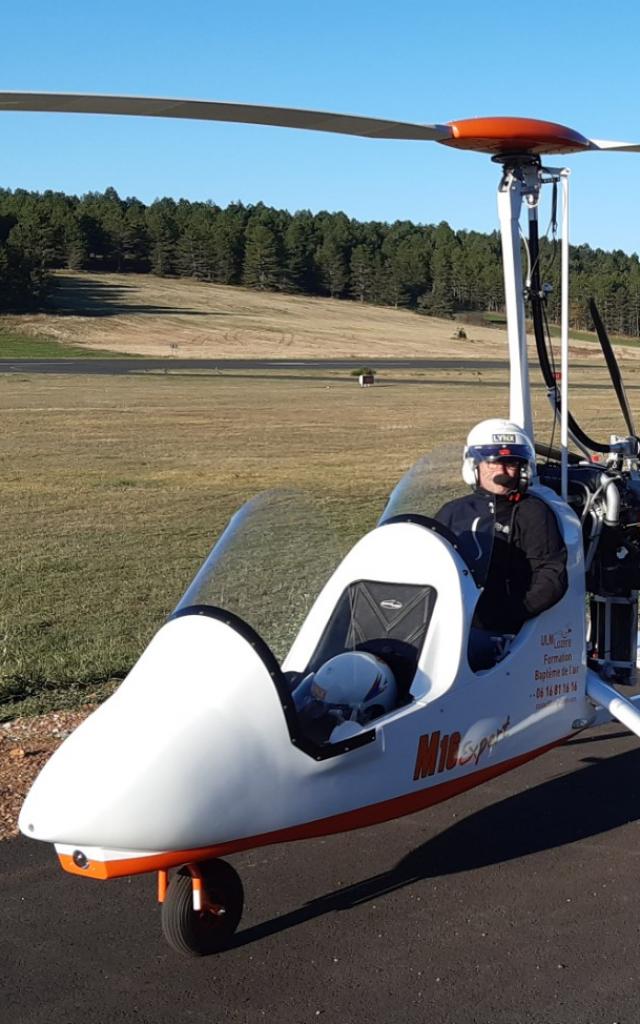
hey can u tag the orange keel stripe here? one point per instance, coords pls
(373, 814)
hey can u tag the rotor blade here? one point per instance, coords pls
(209, 110)
(622, 147)
(614, 369)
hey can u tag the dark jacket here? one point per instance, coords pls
(526, 573)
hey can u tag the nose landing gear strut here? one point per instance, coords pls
(201, 907)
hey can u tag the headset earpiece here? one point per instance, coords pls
(469, 472)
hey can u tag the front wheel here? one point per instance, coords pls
(201, 932)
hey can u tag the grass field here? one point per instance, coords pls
(114, 489)
(16, 345)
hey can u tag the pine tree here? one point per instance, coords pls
(363, 272)
(441, 302)
(300, 241)
(195, 250)
(264, 251)
(135, 237)
(33, 239)
(407, 252)
(19, 288)
(228, 244)
(163, 234)
(77, 246)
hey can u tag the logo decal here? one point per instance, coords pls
(392, 604)
(504, 438)
(438, 753)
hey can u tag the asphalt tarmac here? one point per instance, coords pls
(515, 903)
(125, 366)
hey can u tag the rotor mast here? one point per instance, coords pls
(521, 181)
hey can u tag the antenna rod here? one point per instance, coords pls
(564, 340)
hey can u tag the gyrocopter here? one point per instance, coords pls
(150, 784)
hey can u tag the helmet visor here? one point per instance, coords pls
(499, 452)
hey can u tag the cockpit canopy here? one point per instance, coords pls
(268, 566)
(278, 551)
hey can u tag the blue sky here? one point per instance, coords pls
(575, 63)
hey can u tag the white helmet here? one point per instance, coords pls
(354, 686)
(493, 440)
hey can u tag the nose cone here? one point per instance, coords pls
(167, 762)
(121, 782)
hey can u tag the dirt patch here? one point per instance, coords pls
(25, 745)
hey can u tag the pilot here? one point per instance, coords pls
(353, 687)
(518, 532)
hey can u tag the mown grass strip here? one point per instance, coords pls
(22, 346)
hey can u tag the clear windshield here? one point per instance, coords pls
(430, 482)
(269, 565)
(433, 481)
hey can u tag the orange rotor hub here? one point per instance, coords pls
(505, 135)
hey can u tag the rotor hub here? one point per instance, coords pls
(504, 136)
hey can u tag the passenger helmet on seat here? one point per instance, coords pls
(353, 686)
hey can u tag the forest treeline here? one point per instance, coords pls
(429, 268)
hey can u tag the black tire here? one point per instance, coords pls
(201, 932)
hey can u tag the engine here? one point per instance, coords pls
(606, 497)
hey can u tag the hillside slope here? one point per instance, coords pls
(153, 316)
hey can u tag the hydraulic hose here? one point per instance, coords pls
(537, 315)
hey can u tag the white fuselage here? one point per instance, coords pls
(194, 753)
